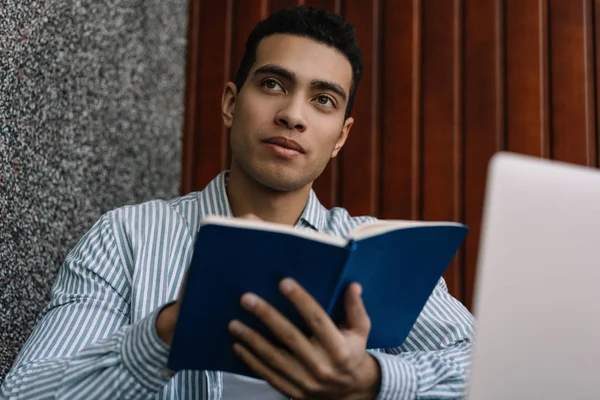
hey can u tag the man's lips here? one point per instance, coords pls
(286, 143)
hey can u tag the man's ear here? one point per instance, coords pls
(343, 136)
(228, 103)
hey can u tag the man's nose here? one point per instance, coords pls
(291, 116)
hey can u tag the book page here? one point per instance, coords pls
(274, 227)
(371, 229)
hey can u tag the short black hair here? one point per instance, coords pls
(319, 25)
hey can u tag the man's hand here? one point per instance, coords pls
(333, 363)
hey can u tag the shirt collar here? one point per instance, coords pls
(213, 201)
(314, 214)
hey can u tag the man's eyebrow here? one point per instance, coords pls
(276, 70)
(329, 86)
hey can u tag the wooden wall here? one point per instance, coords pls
(447, 83)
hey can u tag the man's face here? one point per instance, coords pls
(287, 121)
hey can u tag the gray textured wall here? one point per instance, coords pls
(91, 102)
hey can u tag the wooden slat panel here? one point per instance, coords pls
(246, 14)
(572, 118)
(484, 118)
(326, 186)
(329, 5)
(401, 122)
(277, 4)
(213, 72)
(360, 156)
(442, 130)
(192, 90)
(526, 77)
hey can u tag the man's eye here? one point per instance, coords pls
(325, 101)
(271, 84)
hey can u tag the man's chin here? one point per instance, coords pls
(280, 179)
(281, 185)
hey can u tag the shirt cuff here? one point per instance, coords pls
(398, 377)
(145, 355)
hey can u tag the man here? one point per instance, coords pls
(107, 329)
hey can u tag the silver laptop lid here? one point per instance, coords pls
(537, 298)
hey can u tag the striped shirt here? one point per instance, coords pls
(97, 339)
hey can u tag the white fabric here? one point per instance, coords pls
(237, 387)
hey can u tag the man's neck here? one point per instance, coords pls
(246, 196)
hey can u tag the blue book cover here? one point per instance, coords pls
(398, 264)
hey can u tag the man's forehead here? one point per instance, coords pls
(306, 58)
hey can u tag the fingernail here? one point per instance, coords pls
(359, 289)
(235, 327)
(248, 300)
(287, 285)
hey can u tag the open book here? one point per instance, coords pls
(398, 264)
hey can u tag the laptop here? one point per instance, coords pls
(537, 290)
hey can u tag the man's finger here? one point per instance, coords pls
(357, 318)
(282, 328)
(272, 356)
(275, 380)
(321, 325)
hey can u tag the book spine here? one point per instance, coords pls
(351, 246)
(336, 306)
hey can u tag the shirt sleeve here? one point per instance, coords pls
(435, 359)
(83, 345)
